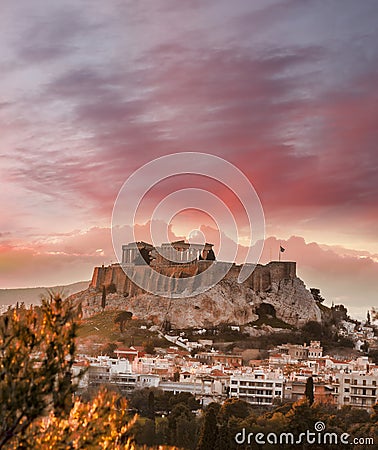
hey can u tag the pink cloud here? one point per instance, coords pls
(277, 88)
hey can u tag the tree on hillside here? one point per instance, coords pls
(37, 348)
(122, 318)
(149, 346)
(313, 330)
(103, 297)
(339, 313)
(108, 349)
(316, 294)
(99, 424)
(36, 355)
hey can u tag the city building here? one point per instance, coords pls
(295, 390)
(356, 389)
(258, 387)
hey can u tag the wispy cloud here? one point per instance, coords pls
(286, 90)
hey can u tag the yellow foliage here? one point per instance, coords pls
(99, 424)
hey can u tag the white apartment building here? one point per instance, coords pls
(357, 389)
(258, 387)
(147, 364)
(118, 371)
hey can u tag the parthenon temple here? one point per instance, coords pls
(178, 252)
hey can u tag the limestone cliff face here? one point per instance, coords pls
(228, 301)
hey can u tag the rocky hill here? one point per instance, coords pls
(226, 302)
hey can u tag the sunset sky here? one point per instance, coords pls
(286, 90)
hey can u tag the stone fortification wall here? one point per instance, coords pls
(263, 277)
(261, 280)
(226, 302)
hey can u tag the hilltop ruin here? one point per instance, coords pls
(229, 301)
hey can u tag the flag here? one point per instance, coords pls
(282, 249)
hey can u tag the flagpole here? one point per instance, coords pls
(279, 253)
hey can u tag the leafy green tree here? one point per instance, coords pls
(144, 402)
(108, 349)
(149, 347)
(162, 430)
(230, 416)
(301, 417)
(176, 375)
(122, 318)
(309, 390)
(99, 424)
(103, 297)
(187, 399)
(37, 410)
(365, 347)
(235, 407)
(209, 431)
(144, 432)
(313, 330)
(151, 405)
(316, 294)
(373, 354)
(182, 427)
(36, 356)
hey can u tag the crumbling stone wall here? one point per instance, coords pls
(261, 280)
